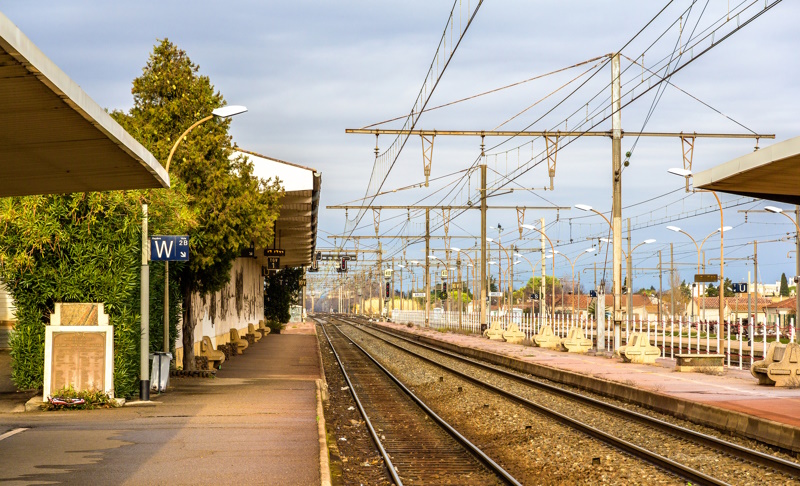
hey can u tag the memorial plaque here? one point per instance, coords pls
(79, 314)
(79, 360)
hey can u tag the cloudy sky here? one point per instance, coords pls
(309, 70)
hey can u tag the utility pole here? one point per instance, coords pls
(483, 238)
(542, 283)
(797, 268)
(616, 206)
(671, 282)
(391, 294)
(380, 276)
(660, 289)
(630, 272)
(427, 266)
(460, 287)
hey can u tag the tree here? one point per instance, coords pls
(229, 207)
(784, 286)
(712, 291)
(729, 288)
(282, 289)
(685, 291)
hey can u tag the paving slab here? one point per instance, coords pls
(255, 423)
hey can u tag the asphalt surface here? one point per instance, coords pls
(253, 424)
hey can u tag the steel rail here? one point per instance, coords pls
(744, 453)
(666, 464)
(386, 459)
(472, 448)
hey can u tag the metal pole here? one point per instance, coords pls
(660, 292)
(427, 266)
(380, 276)
(484, 276)
(797, 265)
(755, 277)
(144, 361)
(671, 282)
(511, 282)
(616, 207)
(460, 287)
(630, 272)
(166, 307)
(542, 284)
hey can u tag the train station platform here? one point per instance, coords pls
(733, 401)
(258, 421)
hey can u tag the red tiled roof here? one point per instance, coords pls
(790, 303)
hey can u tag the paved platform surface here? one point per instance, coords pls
(255, 423)
(736, 390)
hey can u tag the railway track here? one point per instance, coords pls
(418, 447)
(723, 460)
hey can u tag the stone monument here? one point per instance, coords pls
(79, 349)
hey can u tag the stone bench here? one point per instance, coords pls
(639, 350)
(262, 327)
(251, 330)
(781, 366)
(241, 344)
(546, 338)
(214, 356)
(494, 333)
(576, 342)
(700, 362)
(513, 335)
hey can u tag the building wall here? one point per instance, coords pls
(240, 302)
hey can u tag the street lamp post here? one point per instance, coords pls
(630, 274)
(499, 274)
(533, 272)
(687, 173)
(458, 263)
(616, 243)
(553, 268)
(222, 112)
(773, 209)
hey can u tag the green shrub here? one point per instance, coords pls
(275, 326)
(94, 399)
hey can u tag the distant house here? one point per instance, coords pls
(735, 307)
(785, 310)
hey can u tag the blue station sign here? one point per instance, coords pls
(169, 248)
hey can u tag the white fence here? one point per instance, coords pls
(741, 344)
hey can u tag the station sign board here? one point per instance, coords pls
(739, 288)
(706, 277)
(273, 263)
(274, 252)
(169, 248)
(495, 294)
(418, 294)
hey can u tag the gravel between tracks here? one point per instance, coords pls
(698, 457)
(354, 457)
(531, 447)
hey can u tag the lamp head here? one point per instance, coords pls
(680, 172)
(228, 111)
(725, 228)
(589, 250)
(455, 249)
(674, 228)
(489, 240)
(773, 209)
(647, 242)
(528, 226)
(583, 207)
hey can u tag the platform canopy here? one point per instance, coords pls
(772, 173)
(54, 138)
(296, 228)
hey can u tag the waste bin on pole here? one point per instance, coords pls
(159, 371)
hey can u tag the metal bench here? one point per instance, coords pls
(576, 342)
(251, 329)
(215, 357)
(781, 366)
(241, 344)
(639, 350)
(546, 338)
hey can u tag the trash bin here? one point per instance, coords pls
(159, 371)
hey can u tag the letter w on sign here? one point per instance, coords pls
(169, 248)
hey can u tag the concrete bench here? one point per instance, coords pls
(241, 344)
(700, 362)
(513, 335)
(576, 342)
(262, 326)
(547, 338)
(639, 350)
(781, 366)
(215, 357)
(251, 329)
(494, 333)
